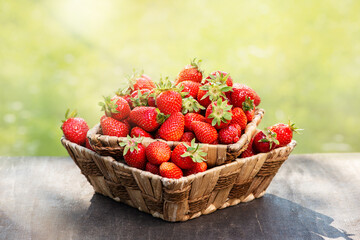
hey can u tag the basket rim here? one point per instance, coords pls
(184, 179)
(234, 147)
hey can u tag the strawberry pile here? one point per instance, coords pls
(191, 109)
(209, 109)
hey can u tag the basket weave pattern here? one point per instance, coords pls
(180, 199)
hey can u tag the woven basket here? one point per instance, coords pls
(216, 154)
(180, 199)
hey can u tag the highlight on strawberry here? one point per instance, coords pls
(74, 128)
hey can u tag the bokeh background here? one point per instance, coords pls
(302, 57)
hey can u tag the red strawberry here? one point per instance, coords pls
(147, 118)
(134, 152)
(199, 167)
(169, 102)
(127, 122)
(170, 170)
(216, 142)
(265, 142)
(151, 98)
(138, 81)
(191, 117)
(88, 146)
(190, 72)
(187, 137)
(204, 132)
(173, 128)
(125, 94)
(228, 135)
(185, 156)
(192, 88)
(249, 108)
(249, 150)
(152, 168)
(158, 152)
(237, 126)
(74, 128)
(139, 98)
(219, 114)
(284, 133)
(113, 127)
(241, 92)
(211, 92)
(239, 117)
(138, 132)
(116, 107)
(190, 105)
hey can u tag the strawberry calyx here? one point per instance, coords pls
(130, 144)
(166, 85)
(108, 106)
(248, 104)
(194, 152)
(132, 78)
(218, 78)
(190, 105)
(69, 114)
(123, 92)
(293, 128)
(270, 137)
(141, 99)
(215, 91)
(161, 117)
(221, 112)
(196, 64)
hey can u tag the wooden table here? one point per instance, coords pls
(313, 196)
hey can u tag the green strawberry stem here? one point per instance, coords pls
(221, 112)
(194, 152)
(130, 144)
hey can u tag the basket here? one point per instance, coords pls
(180, 199)
(216, 154)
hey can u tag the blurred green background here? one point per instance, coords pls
(302, 57)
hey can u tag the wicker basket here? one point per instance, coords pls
(217, 154)
(180, 199)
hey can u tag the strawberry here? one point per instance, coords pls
(249, 108)
(249, 150)
(190, 105)
(185, 156)
(138, 132)
(147, 118)
(170, 170)
(125, 94)
(190, 117)
(116, 107)
(239, 117)
(187, 137)
(190, 72)
(219, 114)
(284, 132)
(229, 134)
(152, 168)
(265, 142)
(152, 98)
(158, 152)
(74, 128)
(173, 128)
(241, 92)
(219, 77)
(216, 142)
(113, 127)
(211, 92)
(204, 132)
(199, 167)
(139, 98)
(237, 126)
(127, 122)
(138, 81)
(134, 152)
(168, 97)
(87, 145)
(190, 87)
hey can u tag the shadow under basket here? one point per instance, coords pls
(216, 154)
(180, 199)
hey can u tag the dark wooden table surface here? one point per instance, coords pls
(313, 196)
